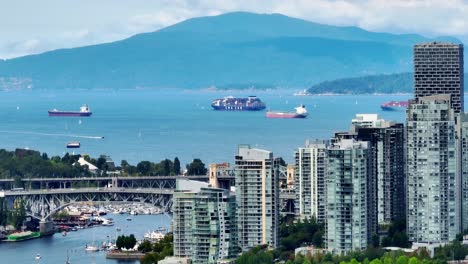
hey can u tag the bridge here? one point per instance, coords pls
(115, 181)
(45, 196)
(42, 204)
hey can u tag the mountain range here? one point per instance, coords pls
(233, 50)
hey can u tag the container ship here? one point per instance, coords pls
(84, 111)
(73, 144)
(251, 103)
(394, 106)
(301, 112)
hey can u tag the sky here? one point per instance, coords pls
(31, 26)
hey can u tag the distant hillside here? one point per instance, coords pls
(392, 83)
(233, 50)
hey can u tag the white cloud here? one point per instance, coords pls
(76, 35)
(112, 20)
(21, 48)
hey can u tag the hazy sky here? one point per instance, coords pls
(33, 26)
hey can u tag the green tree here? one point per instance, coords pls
(145, 246)
(402, 260)
(413, 260)
(167, 167)
(197, 167)
(257, 255)
(126, 241)
(144, 167)
(375, 240)
(176, 166)
(3, 212)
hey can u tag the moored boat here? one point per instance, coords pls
(84, 111)
(301, 112)
(20, 236)
(154, 236)
(91, 248)
(394, 106)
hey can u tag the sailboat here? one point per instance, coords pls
(91, 248)
(68, 259)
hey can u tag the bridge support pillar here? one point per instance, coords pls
(46, 227)
(115, 182)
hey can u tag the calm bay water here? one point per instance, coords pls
(53, 249)
(154, 125)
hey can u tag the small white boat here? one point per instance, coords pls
(154, 236)
(38, 256)
(91, 248)
(107, 222)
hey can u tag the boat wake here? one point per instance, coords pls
(51, 134)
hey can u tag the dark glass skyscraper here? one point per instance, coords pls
(438, 69)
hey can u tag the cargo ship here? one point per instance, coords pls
(73, 144)
(302, 93)
(251, 103)
(84, 111)
(20, 236)
(301, 112)
(394, 106)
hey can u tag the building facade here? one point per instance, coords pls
(433, 210)
(462, 167)
(387, 147)
(438, 69)
(257, 197)
(309, 178)
(217, 170)
(205, 227)
(347, 218)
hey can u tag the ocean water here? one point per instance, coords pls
(53, 249)
(154, 125)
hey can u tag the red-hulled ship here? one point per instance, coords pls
(394, 106)
(84, 111)
(301, 112)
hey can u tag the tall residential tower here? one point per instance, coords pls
(347, 200)
(257, 197)
(387, 188)
(309, 179)
(433, 210)
(438, 69)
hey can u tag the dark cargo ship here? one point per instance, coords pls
(230, 103)
(84, 111)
